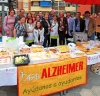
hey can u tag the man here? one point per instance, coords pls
(90, 26)
(79, 23)
(51, 14)
(41, 15)
(21, 14)
(71, 25)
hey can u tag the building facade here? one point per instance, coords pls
(45, 6)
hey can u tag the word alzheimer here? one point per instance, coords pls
(61, 70)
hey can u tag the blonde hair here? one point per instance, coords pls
(33, 13)
(94, 15)
(46, 13)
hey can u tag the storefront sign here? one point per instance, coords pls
(43, 79)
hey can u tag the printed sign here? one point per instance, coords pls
(8, 76)
(47, 78)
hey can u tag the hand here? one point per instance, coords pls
(39, 43)
(72, 33)
(19, 21)
(7, 33)
(33, 29)
(28, 34)
(66, 32)
(49, 28)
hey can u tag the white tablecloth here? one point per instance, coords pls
(8, 73)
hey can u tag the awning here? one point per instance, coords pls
(85, 2)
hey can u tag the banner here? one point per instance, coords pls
(48, 78)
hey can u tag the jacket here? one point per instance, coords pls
(65, 23)
(82, 24)
(71, 26)
(38, 32)
(54, 33)
(45, 25)
(91, 26)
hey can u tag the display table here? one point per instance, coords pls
(48, 77)
(91, 59)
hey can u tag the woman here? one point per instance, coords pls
(20, 28)
(63, 28)
(47, 28)
(54, 31)
(30, 29)
(33, 16)
(8, 23)
(37, 19)
(29, 16)
(38, 34)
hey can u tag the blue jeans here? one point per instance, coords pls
(92, 37)
(46, 37)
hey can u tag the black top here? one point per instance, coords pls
(45, 25)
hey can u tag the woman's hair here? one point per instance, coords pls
(27, 14)
(29, 19)
(22, 17)
(11, 10)
(40, 25)
(46, 13)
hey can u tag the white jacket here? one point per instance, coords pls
(55, 29)
(38, 32)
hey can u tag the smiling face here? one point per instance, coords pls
(78, 15)
(29, 15)
(30, 21)
(38, 24)
(22, 20)
(11, 13)
(37, 18)
(46, 16)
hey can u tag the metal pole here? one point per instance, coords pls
(53, 3)
(93, 8)
(3, 14)
(76, 8)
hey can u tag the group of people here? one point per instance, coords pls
(44, 29)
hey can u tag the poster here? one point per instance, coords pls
(52, 77)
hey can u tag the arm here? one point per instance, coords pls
(42, 36)
(5, 24)
(94, 25)
(35, 36)
(45, 27)
(73, 25)
(14, 32)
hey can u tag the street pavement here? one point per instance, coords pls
(91, 89)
